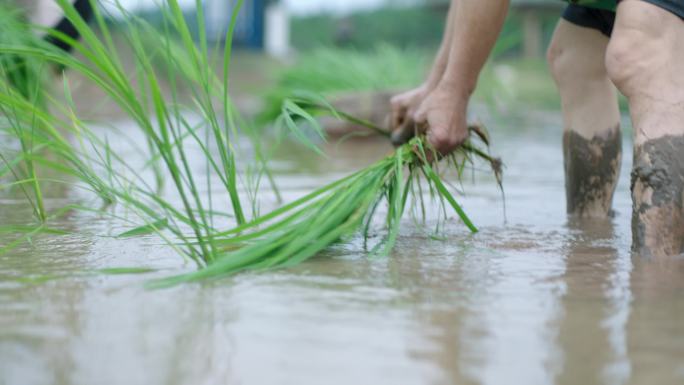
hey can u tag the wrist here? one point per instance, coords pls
(458, 90)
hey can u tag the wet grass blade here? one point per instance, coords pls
(146, 229)
(434, 178)
(302, 229)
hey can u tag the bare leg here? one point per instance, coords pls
(591, 141)
(645, 60)
(404, 105)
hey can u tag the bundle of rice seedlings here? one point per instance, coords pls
(148, 94)
(189, 224)
(305, 227)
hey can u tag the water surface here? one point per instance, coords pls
(534, 299)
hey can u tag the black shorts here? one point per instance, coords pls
(603, 20)
(84, 8)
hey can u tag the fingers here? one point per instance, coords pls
(403, 133)
(441, 145)
(444, 128)
(444, 138)
(398, 111)
(444, 141)
(402, 125)
(415, 123)
(420, 116)
(397, 117)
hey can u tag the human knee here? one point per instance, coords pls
(626, 61)
(571, 60)
(559, 61)
(634, 51)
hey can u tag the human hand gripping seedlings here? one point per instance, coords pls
(441, 116)
(405, 105)
(402, 109)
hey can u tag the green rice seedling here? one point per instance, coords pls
(305, 227)
(161, 118)
(172, 77)
(45, 145)
(25, 75)
(187, 216)
(24, 78)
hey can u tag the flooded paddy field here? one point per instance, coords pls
(535, 298)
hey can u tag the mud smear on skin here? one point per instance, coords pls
(658, 191)
(592, 168)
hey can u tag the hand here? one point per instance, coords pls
(403, 107)
(442, 117)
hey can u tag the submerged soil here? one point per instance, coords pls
(537, 298)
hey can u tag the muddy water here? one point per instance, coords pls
(536, 299)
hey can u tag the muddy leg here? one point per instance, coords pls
(591, 141)
(658, 193)
(592, 167)
(645, 60)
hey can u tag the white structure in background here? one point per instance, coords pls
(217, 15)
(277, 34)
(261, 24)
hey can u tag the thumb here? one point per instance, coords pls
(403, 133)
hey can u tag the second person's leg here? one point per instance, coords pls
(645, 59)
(591, 118)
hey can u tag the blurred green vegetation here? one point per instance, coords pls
(392, 48)
(507, 81)
(504, 84)
(401, 27)
(329, 71)
(515, 82)
(415, 27)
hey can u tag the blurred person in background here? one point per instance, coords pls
(636, 45)
(44, 14)
(47, 13)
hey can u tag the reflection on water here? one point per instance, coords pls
(591, 325)
(537, 299)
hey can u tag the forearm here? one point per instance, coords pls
(476, 26)
(442, 58)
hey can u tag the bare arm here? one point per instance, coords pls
(476, 25)
(442, 58)
(404, 105)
